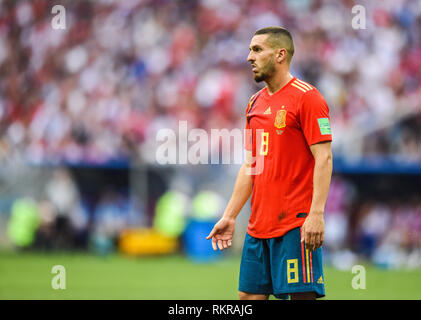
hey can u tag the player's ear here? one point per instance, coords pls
(281, 55)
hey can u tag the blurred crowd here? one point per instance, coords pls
(100, 89)
(62, 218)
(390, 233)
(386, 232)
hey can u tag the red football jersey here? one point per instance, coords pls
(283, 126)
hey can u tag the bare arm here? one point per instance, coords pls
(223, 231)
(322, 174)
(242, 191)
(313, 227)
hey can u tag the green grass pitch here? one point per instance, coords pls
(28, 276)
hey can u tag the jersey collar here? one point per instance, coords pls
(279, 90)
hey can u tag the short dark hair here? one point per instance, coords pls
(279, 37)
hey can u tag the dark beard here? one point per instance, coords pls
(267, 72)
(259, 78)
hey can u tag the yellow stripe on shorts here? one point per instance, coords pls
(308, 269)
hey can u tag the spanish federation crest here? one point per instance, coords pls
(280, 119)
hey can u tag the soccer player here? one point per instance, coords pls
(290, 132)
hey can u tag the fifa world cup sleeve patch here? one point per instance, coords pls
(324, 125)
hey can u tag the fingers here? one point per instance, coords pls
(309, 240)
(224, 244)
(227, 243)
(303, 234)
(211, 234)
(214, 244)
(216, 234)
(313, 240)
(319, 240)
(220, 244)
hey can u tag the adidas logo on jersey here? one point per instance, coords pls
(320, 281)
(267, 111)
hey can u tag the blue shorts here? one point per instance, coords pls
(281, 266)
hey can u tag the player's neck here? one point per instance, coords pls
(278, 81)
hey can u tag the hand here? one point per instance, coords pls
(313, 231)
(222, 233)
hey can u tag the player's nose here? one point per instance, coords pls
(250, 57)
